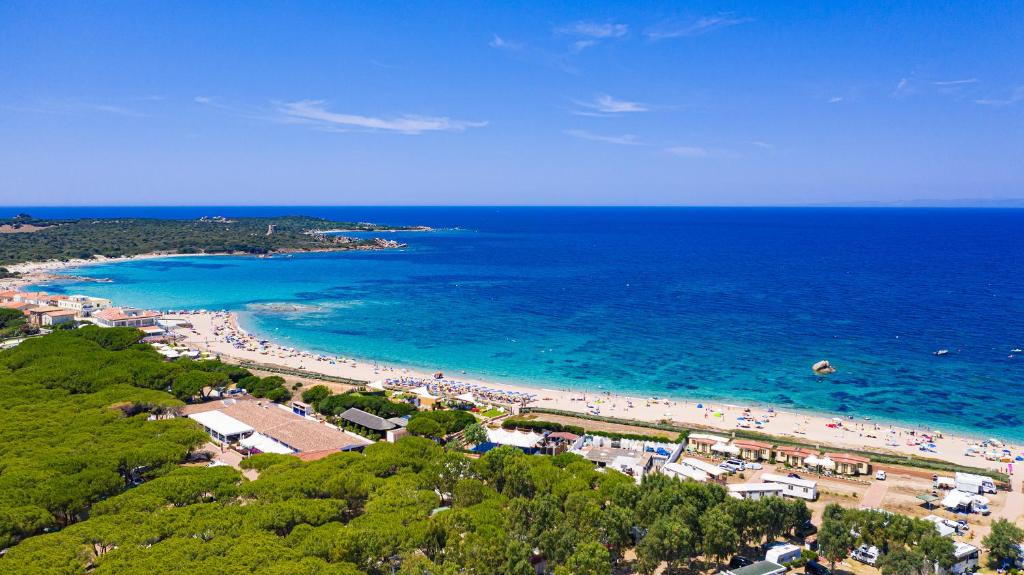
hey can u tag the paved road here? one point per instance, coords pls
(875, 494)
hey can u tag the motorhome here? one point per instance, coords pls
(976, 484)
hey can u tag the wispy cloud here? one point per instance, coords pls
(73, 106)
(594, 29)
(687, 151)
(835, 99)
(500, 43)
(315, 113)
(955, 82)
(763, 145)
(623, 140)
(605, 105)
(902, 88)
(697, 27)
(1016, 95)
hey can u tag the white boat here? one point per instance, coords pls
(941, 352)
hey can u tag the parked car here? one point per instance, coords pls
(866, 554)
(738, 561)
(806, 528)
(732, 465)
(794, 475)
(754, 465)
(880, 475)
(815, 568)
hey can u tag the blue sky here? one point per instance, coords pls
(507, 103)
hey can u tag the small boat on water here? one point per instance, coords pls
(941, 352)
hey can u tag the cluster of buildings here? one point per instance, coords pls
(47, 310)
(260, 426)
(837, 463)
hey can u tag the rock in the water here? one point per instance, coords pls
(823, 367)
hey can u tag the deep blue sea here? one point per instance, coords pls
(706, 303)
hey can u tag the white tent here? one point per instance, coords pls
(467, 397)
(422, 391)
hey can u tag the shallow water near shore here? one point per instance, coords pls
(724, 304)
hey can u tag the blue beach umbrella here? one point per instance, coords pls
(700, 406)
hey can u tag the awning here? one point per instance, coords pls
(928, 497)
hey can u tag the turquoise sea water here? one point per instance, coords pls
(725, 304)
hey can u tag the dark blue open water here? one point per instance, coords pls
(706, 303)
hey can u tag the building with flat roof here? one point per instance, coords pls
(759, 568)
(84, 305)
(754, 491)
(793, 486)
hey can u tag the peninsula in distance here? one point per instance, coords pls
(494, 289)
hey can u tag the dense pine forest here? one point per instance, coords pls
(97, 477)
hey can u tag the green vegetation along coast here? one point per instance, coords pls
(26, 239)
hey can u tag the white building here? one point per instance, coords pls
(793, 487)
(755, 491)
(125, 317)
(82, 305)
(941, 526)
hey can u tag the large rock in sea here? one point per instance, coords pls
(823, 367)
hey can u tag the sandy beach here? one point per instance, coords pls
(220, 334)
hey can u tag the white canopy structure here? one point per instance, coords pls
(823, 462)
(523, 440)
(265, 444)
(222, 427)
(422, 391)
(725, 448)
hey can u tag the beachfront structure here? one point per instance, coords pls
(126, 317)
(794, 487)
(702, 442)
(751, 450)
(301, 434)
(43, 316)
(971, 483)
(966, 560)
(527, 441)
(634, 463)
(223, 428)
(759, 568)
(366, 420)
(781, 552)
(713, 471)
(83, 305)
(792, 456)
(850, 464)
(754, 491)
(34, 298)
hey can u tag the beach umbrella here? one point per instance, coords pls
(700, 406)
